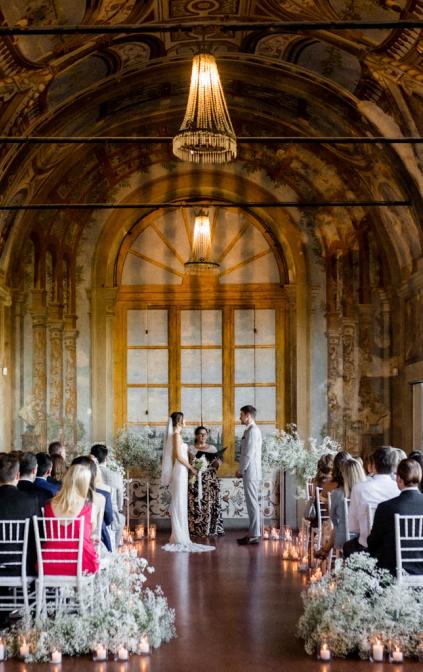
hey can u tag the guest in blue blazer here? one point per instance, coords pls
(43, 472)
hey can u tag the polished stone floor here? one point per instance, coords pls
(236, 610)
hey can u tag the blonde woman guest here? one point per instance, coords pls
(352, 472)
(72, 502)
(102, 511)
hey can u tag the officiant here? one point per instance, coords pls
(204, 506)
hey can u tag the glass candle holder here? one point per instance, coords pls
(152, 532)
(56, 657)
(144, 646)
(122, 653)
(3, 650)
(140, 531)
(324, 652)
(396, 654)
(99, 652)
(266, 533)
(377, 650)
(420, 650)
(24, 648)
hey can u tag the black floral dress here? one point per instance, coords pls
(205, 517)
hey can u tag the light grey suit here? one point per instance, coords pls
(114, 480)
(250, 468)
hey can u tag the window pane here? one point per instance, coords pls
(142, 372)
(244, 396)
(201, 327)
(266, 403)
(244, 327)
(265, 365)
(190, 366)
(141, 321)
(265, 327)
(211, 327)
(244, 365)
(191, 327)
(153, 400)
(211, 400)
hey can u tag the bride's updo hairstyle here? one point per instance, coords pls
(177, 418)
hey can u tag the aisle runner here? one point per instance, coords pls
(232, 493)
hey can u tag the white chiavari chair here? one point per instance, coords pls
(17, 592)
(409, 548)
(75, 591)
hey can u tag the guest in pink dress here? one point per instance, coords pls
(71, 502)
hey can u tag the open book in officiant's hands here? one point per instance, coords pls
(219, 454)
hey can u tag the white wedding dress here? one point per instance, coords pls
(179, 539)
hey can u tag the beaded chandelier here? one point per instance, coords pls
(201, 247)
(206, 134)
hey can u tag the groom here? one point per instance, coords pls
(250, 472)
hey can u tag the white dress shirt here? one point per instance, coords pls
(377, 489)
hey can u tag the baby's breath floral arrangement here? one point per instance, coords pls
(285, 450)
(123, 611)
(356, 602)
(136, 449)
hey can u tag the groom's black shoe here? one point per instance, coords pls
(248, 541)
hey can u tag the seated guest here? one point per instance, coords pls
(417, 455)
(72, 502)
(323, 475)
(43, 472)
(102, 511)
(369, 493)
(397, 454)
(27, 474)
(15, 505)
(352, 472)
(114, 480)
(56, 448)
(58, 470)
(337, 481)
(381, 540)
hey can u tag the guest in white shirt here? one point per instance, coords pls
(370, 493)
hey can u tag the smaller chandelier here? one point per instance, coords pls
(206, 134)
(201, 247)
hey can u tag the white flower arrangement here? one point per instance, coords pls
(356, 602)
(121, 615)
(200, 464)
(135, 449)
(285, 450)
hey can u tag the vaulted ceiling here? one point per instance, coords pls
(346, 83)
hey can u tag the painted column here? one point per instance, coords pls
(70, 335)
(39, 364)
(55, 331)
(5, 371)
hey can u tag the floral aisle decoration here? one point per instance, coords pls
(135, 449)
(124, 612)
(285, 450)
(356, 604)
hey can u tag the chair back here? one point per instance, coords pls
(310, 489)
(409, 548)
(59, 541)
(14, 547)
(322, 506)
(347, 518)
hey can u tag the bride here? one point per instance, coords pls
(175, 469)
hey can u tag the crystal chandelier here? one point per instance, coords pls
(201, 247)
(206, 134)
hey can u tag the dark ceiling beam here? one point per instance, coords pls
(205, 204)
(224, 26)
(259, 139)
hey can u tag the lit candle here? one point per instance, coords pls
(152, 532)
(288, 534)
(122, 653)
(324, 652)
(24, 649)
(397, 655)
(2, 650)
(377, 651)
(140, 530)
(144, 646)
(56, 656)
(265, 533)
(286, 551)
(100, 652)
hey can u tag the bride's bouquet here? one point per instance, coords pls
(200, 464)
